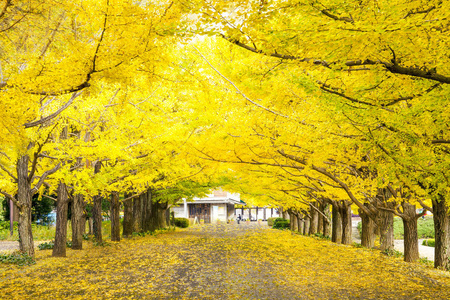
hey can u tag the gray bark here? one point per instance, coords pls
(314, 219)
(441, 219)
(127, 217)
(386, 228)
(336, 233)
(24, 198)
(367, 231)
(97, 219)
(78, 222)
(59, 248)
(115, 217)
(346, 212)
(411, 250)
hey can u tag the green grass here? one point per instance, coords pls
(429, 242)
(425, 228)
(47, 233)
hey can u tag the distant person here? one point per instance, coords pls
(238, 218)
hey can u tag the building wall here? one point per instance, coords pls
(230, 212)
(254, 216)
(218, 212)
(178, 211)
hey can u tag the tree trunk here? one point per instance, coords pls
(127, 217)
(168, 216)
(115, 217)
(291, 225)
(158, 220)
(336, 233)
(314, 219)
(441, 219)
(300, 223)
(294, 223)
(326, 223)
(346, 212)
(386, 228)
(307, 223)
(411, 250)
(144, 211)
(368, 230)
(147, 210)
(24, 198)
(59, 248)
(320, 218)
(78, 222)
(97, 219)
(91, 225)
(137, 215)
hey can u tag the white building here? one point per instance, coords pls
(221, 206)
(216, 206)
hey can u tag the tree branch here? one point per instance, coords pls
(55, 114)
(134, 196)
(238, 90)
(332, 177)
(392, 211)
(43, 177)
(425, 11)
(425, 206)
(328, 14)
(8, 172)
(392, 67)
(36, 155)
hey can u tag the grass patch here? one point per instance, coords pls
(16, 258)
(428, 242)
(40, 233)
(393, 253)
(47, 233)
(425, 228)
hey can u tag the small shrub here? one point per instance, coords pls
(393, 253)
(270, 221)
(102, 244)
(359, 227)
(86, 237)
(426, 261)
(46, 246)
(181, 222)
(136, 234)
(281, 223)
(17, 258)
(428, 242)
(50, 245)
(4, 225)
(321, 236)
(357, 245)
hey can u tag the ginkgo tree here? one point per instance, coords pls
(383, 64)
(308, 135)
(69, 48)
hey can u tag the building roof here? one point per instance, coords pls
(219, 197)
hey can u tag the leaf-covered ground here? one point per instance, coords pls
(223, 262)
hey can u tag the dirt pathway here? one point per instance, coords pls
(8, 246)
